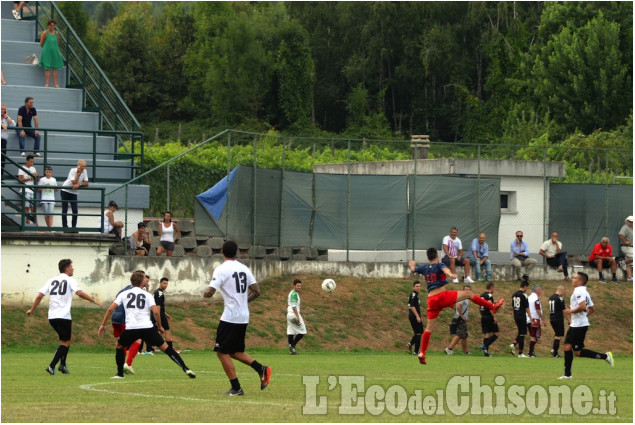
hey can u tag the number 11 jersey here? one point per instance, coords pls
(233, 279)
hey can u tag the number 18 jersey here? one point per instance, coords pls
(136, 303)
(233, 279)
(60, 290)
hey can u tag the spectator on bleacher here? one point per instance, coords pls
(108, 220)
(17, 9)
(552, 251)
(142, 240)
(77, 177)
(169, 232)
(6, 122)
(4, 82)
(519, 254)
(28, 179)
(479, 256)
(626, 244)
(602, 258)
(51, 57)
(27, 115)
(47, 196)
(453, 255)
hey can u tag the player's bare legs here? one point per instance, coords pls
(469, 295)
(425, 339)
(228, 365)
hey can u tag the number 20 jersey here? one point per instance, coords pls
(233, 279)
(60, 290)
(136, 303)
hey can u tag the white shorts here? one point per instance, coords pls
(48, 208)
(627, 251)
(294, 328)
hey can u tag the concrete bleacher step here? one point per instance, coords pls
(57, 99)
(23, 74)
(64, 120)
(15, 51)
(60, 145)
(18, 30)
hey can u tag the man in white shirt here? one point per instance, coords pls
(453, 255)
(580, 307)
(552, 251)
(535, 314)
(239, 287)
(138, 304)
(48, 195)
(77, 177)
(60, 290)
(28, 180)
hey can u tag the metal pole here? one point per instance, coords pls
(167, 207)
(255, 194)
(348, 202)
(478, 183)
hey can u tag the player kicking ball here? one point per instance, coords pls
(439, 298)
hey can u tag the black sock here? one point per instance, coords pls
(417, 343)
(58, 355)
(491, 340)
(176, 358)
(297, 339)
(614, 276)
(170, 344)
(290, 339)
(485, 343)
(556, 345)
(63, 354)
(592, 354)
(256, 366)
(120, 358)
(601, 275)
(532, 344)
(235, 384)
(568, 361)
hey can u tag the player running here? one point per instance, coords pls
(439, 298)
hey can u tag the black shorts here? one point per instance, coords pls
(151, 336)
(458, 262)
(230, 337)
(488, 325)
(168, 246)
(63, 328)
(558, 327)
(521, 324)
(164, 322)
(417, 327)
(459, 327)
(606, 264)
(575, 337)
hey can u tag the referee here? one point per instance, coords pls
(414, 315)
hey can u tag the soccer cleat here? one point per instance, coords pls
(64, 370)
(602, 280)
(448, 351)
(467, 353)
(117, 377)
(498, 305)
(609, 359)
(482, 347)
(422, 358)
(468, 279)
(233, 392)
(556, 356)
(532, 355)
(512, 349)
(486, 354)
(522, 356)
(265, 377)
(190, 373)
(148, 353)
(50, 370)
(292, 350)
(565, 377)
(409, 348)
(128, 369)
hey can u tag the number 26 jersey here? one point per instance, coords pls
(233, 279)
(136, 303)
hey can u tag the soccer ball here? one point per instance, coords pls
(328, 285)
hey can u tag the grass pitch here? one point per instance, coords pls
(161, 392)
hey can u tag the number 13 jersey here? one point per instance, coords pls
(233, 279)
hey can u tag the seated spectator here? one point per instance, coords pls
(519, 254)
(26, 114)
(453, 250)
(6, 122)
(141, 240)
(626, 245)
(479, 256)
(108, 220)
(552, 250)
(602, 258)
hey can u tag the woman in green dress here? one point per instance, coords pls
(51, 57)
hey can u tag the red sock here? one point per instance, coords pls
(480, 301)
(425, 339)
(132, 352)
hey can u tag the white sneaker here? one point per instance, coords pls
(448, 351)
(128, 369)
(455, 281)
(22, 154)
(565, 377)
(116, 377)
(609, 358)
(522, 356)
(629, 279)
(16, 15)
(468, 279)
(37, 154)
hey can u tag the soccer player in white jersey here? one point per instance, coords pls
(138, 304)
(296, 329)
(239, 287)
(580, 307)
(60, 290)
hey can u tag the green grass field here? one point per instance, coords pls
(161, 392)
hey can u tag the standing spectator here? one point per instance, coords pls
(537, 321)
(169, 232)
(142, 240)
(108, 220)
(48, 195)
(159, 299)
(28, 178)
(520, 305)
(626, 244)
(556, 307)
(519, 254)
(296, 329)
(77, 177)
(6, 122)
(580, 307)
(479, 256)
(51, 57)
(60, 290)
(414, 316)
(238, 287)
(489, 325)
(552, 251)
(17, 9)
(453, 255)
(27, 117)
(137, 305)
(458, 327)
(602, 258)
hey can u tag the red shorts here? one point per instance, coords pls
(117, 329)
(438, 302)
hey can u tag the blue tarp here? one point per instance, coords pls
(215, 198)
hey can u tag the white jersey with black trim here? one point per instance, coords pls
(60, 290)
(579, 295)
(136, 303)
(233, 279)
